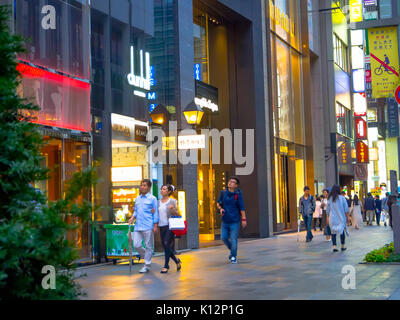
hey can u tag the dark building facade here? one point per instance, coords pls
(245, 63)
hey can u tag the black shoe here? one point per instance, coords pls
(165, 270)
(335, 250)
(344, 249)
(179, 265)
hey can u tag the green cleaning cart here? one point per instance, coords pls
(118, 243)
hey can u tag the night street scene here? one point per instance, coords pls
(197, 155)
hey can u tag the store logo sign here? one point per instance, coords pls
(143, 79)
(281, 19)
(122, 129)
(206, 103)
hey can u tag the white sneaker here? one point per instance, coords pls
(144, 269)
(233, 260)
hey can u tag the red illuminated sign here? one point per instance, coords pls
(64, 101)
(361, 128)
(362, 152)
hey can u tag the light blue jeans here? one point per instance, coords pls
(229, 235)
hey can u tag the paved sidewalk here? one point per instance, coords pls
(274, 268)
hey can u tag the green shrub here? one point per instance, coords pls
(384, 254)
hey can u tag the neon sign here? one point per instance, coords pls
(143, 80)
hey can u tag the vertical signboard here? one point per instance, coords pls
(344, 152)
(393, 118)
(362, 152)
(384, 61)
(361, 128)
(356, 10)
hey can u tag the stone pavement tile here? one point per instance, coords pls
(280, 284)
(275, 274)
(395, 295)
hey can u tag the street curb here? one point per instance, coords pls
(381, 263)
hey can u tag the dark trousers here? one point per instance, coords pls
(307, 222)
(316, 221)
(168, 242)
(378, 217)
(342, 239)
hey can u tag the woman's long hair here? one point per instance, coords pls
(335, 192)
(355, 200)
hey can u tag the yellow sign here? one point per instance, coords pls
(169, 143)
(384, 61)
(356, 10)
(281, 19)
(182, 203)
(357, 187)
(376, 192)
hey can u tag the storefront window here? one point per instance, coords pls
(385, 9)
(343, 120)
(64, 47)
(297, 98)
(284, 110)
(284, 16)
(130, 164)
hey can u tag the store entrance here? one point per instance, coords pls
(284, 192)
(64, 157)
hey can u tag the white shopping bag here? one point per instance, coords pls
(176, 223)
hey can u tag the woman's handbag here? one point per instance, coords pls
(181, 232)
(176, 223)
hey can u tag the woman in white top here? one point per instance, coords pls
(166, 208)
(317, 215)
(337, 211)
(356, 216)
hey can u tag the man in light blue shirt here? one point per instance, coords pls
(146, 214)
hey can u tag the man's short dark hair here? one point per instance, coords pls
(146, 181)
(369, 194)
(387, 194)
(306, 188)
(235, 178)
(325, 190)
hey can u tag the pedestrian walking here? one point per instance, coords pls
(324, 204)
(307, 208)
(337, 211)
(356, 216)
(369, 206)
(317, 216)
(231, 207)
(378, 209)
(385, 209)
(167, 207)
(146, 215)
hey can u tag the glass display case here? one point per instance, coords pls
(123, 201)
